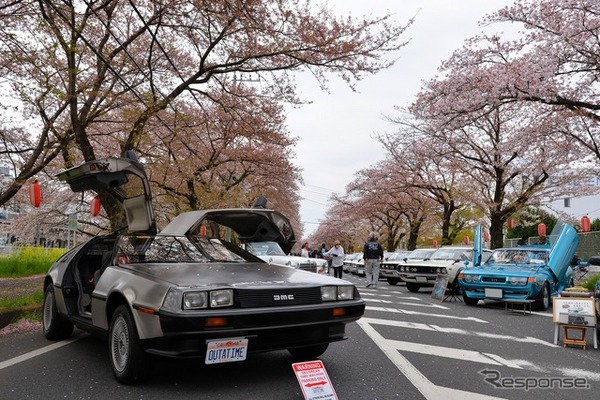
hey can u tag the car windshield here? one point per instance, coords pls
(264, 249)
(422, 254)
(452, 254)
(400, 255)
(518, 256)
(176, 249)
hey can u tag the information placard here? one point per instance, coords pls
(574, 311)
(439, 288)
(314, 381)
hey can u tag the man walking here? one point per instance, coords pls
(372, 255)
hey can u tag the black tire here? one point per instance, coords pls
(544, 299)
(469, 301)
(307, 353)
(413, 287)
(129, 361)
(54, 326)
(393, 281)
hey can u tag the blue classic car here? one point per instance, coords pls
(532, 272)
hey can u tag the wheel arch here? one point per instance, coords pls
(113, 301)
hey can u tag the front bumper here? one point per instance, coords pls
(267, 330)
(528, 292)
(419, 278)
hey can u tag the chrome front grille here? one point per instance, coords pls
(310, 267)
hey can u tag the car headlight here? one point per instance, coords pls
(471, 278)
(517, 281)
(194, 300)
(333, 293)
(345, 292)
(221, 298)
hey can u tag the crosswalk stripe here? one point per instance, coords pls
(457, 331)
(427, 388)
(408, 312)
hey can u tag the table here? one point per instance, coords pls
(509, 306)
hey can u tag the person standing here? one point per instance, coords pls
(336, 254)
(372, 256)
(305, 252)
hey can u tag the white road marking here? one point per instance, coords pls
(423, 385)
(408, 312)
(457, 331)
(35, 353)
(406, 304)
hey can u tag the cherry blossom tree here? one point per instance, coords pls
(88, 77)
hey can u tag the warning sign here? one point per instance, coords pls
(314, 380)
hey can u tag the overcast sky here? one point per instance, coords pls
(337, 130)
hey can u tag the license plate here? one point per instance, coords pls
(493, 293)
(226, 350)
(421, 279)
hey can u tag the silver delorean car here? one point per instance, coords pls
(189, 290)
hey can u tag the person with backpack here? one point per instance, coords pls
(372, 256)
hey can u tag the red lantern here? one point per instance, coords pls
(35, 195)
(435, 243)
(466, 240)
(95, 206)
(586, 224)
(510, 223)
(541, 229)
(486, 236)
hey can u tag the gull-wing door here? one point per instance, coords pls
(250, 224)
(125, 179)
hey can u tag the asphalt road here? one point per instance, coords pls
(408, 346)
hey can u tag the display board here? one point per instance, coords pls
(574, 311)
(439, 288)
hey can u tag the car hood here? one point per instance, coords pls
(235, 275)
(437, 263)
(250, 224)
(505, 269)
(283, 259)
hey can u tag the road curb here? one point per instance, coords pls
(9, 316)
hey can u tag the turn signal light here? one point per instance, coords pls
(216, 322)
(339, 312)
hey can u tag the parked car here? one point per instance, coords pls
(349, 260)
(414, 256)
(389, 268)
(445, 260)
(273, 254)
(184, 292)
(357, 265)
(529, 272)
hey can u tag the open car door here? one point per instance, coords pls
(250, 224)
(125, 179)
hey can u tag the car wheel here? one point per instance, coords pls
(128, 359)
(469, 301)
(393, 281)
(543, 301)
(55, 327)
(308, 352)
(412, 287)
